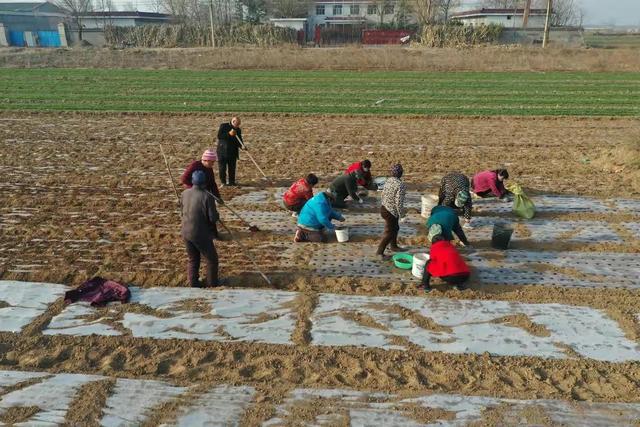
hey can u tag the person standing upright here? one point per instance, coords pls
(392, 210)
(205, 164)
(199, 216)
(229, 145)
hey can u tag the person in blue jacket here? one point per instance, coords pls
(315, 216)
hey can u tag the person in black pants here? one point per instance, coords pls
(229, 144)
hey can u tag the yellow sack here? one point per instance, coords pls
(523, 206)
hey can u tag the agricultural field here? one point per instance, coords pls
(318, 92)
(610, 41)
(548, 332)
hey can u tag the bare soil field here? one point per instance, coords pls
(88, 194)
(497, 58)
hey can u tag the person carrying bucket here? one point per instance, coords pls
(444, 221)
(299, 193)
(490, 183)
(454, 192)
(392, 210)
(446, 263)
(365, 167)
(205, 164)
(346, 185)
(315, 216)
(199, 216)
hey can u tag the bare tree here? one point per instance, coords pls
(290, 8)
(76, 8)
(567, 13)
(503, 4)
(105, 6)
(425, 11)
(445, 7)
(402, 13)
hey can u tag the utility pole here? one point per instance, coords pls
(213, 37)
(525, 16)
(547, 21)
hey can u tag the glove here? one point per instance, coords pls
(341, 219)
(505, 199)
(360, 201)
(467, 225)
(403, 220)
(232, 132)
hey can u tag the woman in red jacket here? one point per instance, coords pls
(299, 193)
(446, 263)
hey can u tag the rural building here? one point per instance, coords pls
(93, 24)
(93, 20)
(508, 18)
(336, 14)
(32, 24)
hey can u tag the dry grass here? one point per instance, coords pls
(347, 58)
(623, 161)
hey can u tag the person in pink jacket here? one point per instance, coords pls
(490, 183)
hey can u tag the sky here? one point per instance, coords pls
(597, 12)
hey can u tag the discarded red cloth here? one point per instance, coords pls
(98, 291)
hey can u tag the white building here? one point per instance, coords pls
(337, 14)
(508, 18)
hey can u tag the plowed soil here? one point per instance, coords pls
(86, 194)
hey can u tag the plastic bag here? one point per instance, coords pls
(523, 206)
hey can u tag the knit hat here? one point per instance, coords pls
(198, 178)
(434, 231)
(396, 170)
(209, 155)
(461, 198)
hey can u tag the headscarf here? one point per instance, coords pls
(396, 170)
(434, 231)
(461, 198)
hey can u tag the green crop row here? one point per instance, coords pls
(344, 92)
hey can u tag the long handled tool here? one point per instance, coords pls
(252, 228)
(166, 162)
(243, 249)
(244, 147)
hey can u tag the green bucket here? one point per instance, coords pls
(403, 260)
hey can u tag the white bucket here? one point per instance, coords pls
(342, 234)
(379, 182)
(419, 261)
(428, 202)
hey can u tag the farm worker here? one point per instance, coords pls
(490, 183)
(446, 263)
(454, 192)
(444, 221)
(299, 193)
(229, 144)
(365, 167)
(205, 164)
(346, 185)
(199, 215)
(392, 210)
(315, 216)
